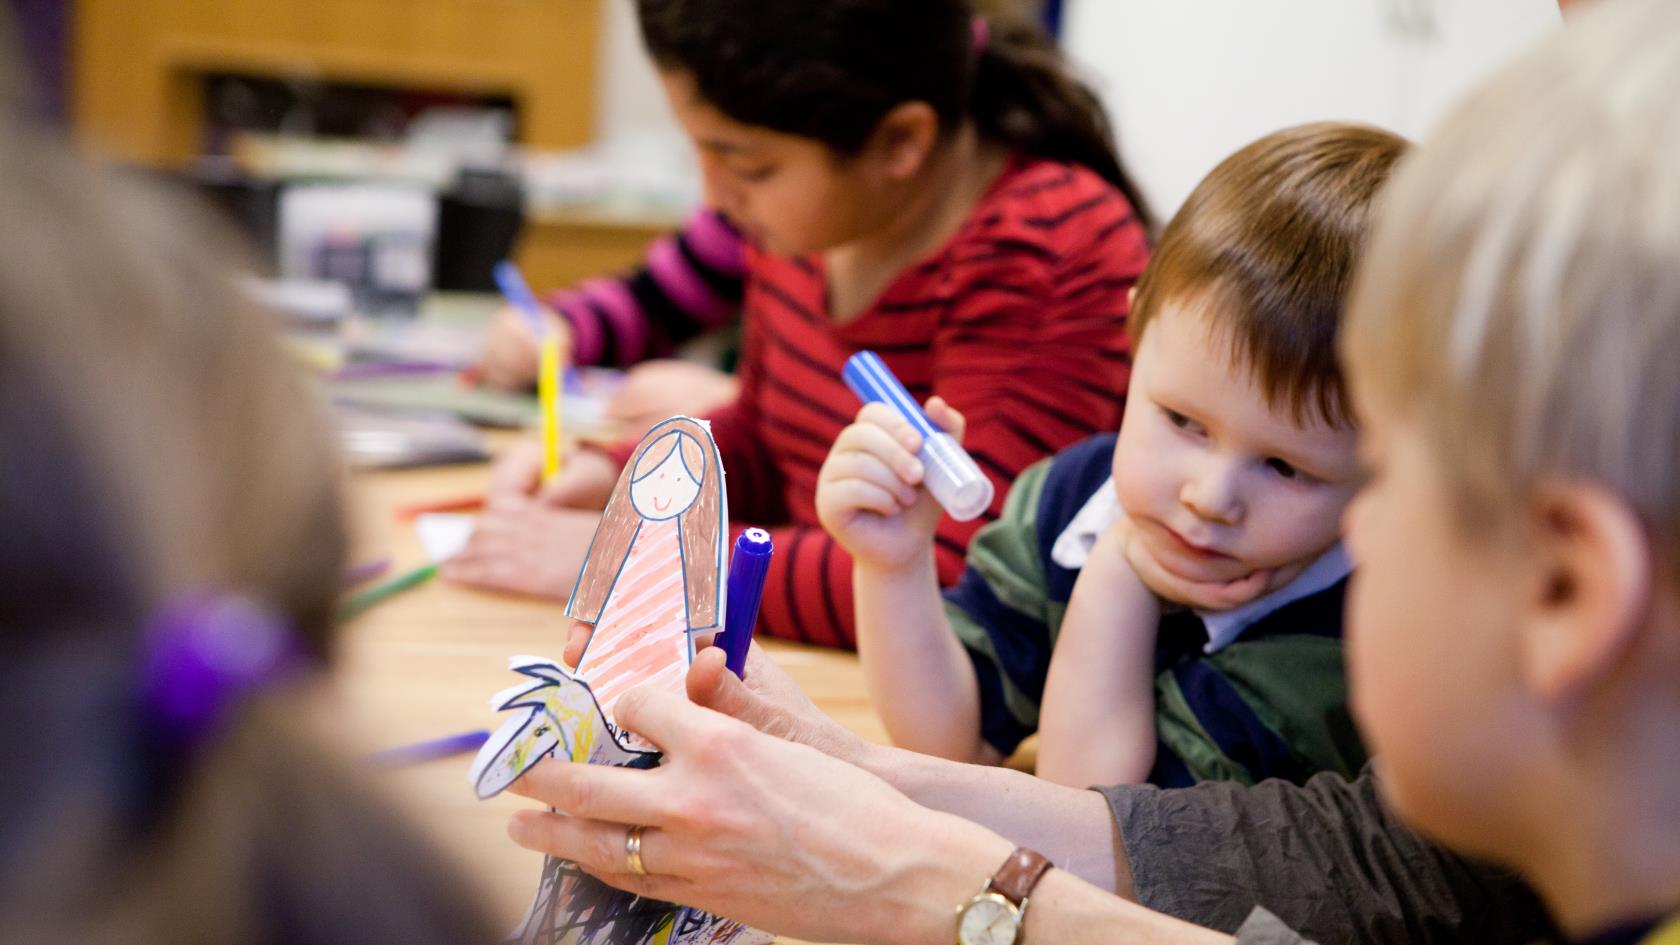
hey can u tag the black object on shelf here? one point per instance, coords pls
(479, 219)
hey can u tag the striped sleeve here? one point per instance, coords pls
(691, 282)
(751, 473)
(1035, 360)
(1001, 612)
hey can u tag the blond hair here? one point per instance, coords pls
(1521, 299)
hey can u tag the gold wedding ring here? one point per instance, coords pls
(633, 851)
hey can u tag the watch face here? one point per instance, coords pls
(989, 919)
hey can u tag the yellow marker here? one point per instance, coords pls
(548, 386)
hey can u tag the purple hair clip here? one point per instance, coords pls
(981, 32)
(204, 653)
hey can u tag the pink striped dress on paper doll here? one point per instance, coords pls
(654, 572)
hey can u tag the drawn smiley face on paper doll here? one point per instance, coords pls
(668, 478)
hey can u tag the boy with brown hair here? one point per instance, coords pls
(1165, 604)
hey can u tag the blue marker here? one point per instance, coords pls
(948, 471)
(518, 294)
(747, 567)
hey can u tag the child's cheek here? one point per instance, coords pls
(1129, 489)
(1141, 463)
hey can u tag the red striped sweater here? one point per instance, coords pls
(1018, 321)
(690, 283)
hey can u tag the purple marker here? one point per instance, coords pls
(369, 370)
(747, 567)
(405, 755)
(366, 571)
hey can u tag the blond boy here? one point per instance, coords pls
(1515, 644)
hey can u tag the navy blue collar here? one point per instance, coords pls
(1631, 933)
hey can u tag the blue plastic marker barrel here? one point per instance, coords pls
(948, 471)
(513, 287)
(747, 567)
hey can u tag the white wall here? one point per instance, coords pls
(628, 99)
(634, 129)
(1189, 81)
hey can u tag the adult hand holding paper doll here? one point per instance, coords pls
(653, 577)
(793, 839)
(717, 836)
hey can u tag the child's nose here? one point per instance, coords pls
(1212, 494)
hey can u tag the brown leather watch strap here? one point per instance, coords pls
(1016, 878)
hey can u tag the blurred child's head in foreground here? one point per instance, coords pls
(159, 448)
(1513, 339)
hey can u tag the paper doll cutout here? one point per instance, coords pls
(654, 573)
(654, 576)
(574, 908)
(561, 718)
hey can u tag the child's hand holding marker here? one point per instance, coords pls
(553, 351)
(513, 348)
(586, 477)
(870, 492)
(525, 337)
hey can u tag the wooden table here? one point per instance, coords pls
(423, 665)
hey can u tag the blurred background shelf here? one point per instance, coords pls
(187, 86)
(138, 66)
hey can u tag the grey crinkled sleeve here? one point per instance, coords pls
(1326, 858)
(1263, 928)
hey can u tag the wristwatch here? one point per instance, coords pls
(994, 916)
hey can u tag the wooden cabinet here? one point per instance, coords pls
(561, 249)
(138, 65)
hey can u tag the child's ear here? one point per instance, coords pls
(1592, 588)
(904, 138)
